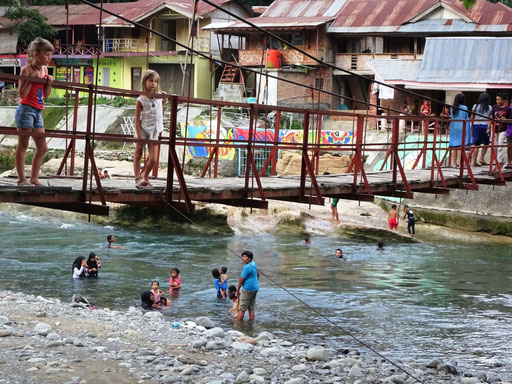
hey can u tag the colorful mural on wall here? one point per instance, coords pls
(200, 129)
(408, 152)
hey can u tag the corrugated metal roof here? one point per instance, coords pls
(452, 60)
(274, 22)
(82, 14)
(374, 15)
(304, 8)
(292, 14)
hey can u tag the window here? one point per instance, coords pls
(319, 83)
(297, 38)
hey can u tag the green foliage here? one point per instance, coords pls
(7, 157)
(29, 24)
(52, 116)
(118, 101)
(469, 3)
(113, 145)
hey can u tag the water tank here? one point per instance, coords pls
(273, 59)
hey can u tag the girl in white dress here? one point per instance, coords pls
(148, 126)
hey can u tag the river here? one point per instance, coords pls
(409, 301)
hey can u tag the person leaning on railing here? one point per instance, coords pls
(501, 111)
(459, 114)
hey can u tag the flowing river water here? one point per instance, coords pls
(425, 300)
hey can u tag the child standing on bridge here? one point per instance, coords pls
(149, 123)
(28, 114)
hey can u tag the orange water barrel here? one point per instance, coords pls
(273, 59)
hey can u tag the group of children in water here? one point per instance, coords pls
(155, 299)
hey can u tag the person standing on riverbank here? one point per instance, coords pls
(411, 220)
(29, 111)
(334, 209)
(249, 280)
(393, 218)
(108, 243)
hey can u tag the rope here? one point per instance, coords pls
(219, 61)
(94, 101)
(67, 93)
(311, 308)
(319, 61)
(191, 39)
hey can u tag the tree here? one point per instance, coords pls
(29, 24)
(469, 3)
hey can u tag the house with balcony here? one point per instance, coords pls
(302, 23)
(389, 34)
(119, 52)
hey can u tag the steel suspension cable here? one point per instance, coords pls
(220, 61)
(191, 39)
(321, 62)
(311, 308)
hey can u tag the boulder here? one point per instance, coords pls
(154, 315)
(242, 347)
(215, 332)
(204, 322)
(42, 329)
(317, 353)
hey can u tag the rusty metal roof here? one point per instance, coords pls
(304, 8)
(290, 14)
(82, 14)
(472, 62)
(358, 16)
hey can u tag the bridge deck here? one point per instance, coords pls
(230, 190)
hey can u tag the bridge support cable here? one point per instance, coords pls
(313, 309)
(220, 61)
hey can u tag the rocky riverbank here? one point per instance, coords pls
(48, 341)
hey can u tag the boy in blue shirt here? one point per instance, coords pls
(249, 281)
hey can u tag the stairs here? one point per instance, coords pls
(229, 74)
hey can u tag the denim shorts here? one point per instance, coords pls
(28, 117)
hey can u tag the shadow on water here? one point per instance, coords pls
(408, 301)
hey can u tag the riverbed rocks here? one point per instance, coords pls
(136, 346)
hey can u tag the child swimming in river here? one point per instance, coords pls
(232, 296)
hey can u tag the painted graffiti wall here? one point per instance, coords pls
(201, 129)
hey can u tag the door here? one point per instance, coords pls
(105, 77)
(169, 29)
(171, 78)
(136, 77)
(76, 74)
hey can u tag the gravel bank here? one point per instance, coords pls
(49, 341)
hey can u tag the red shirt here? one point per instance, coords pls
(36, 94)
